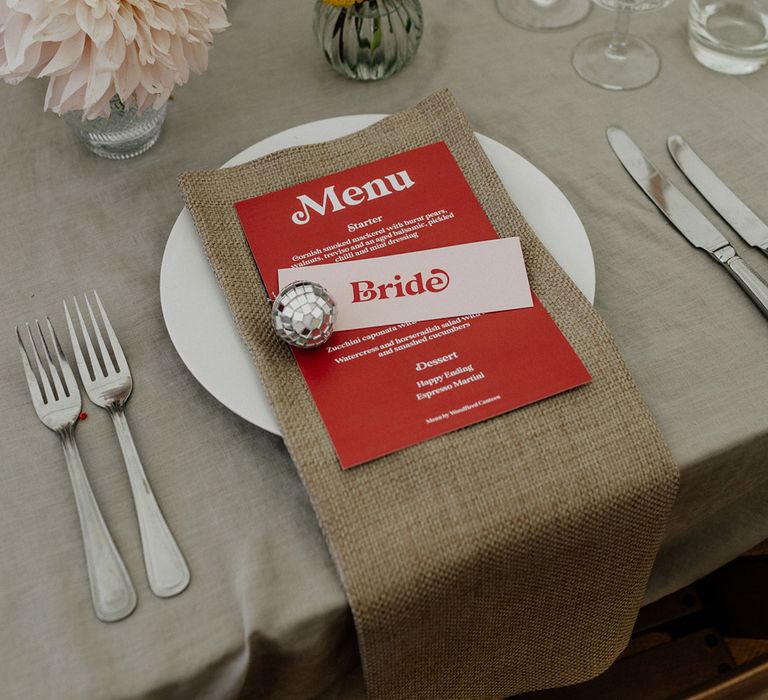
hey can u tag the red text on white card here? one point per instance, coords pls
(366, 290)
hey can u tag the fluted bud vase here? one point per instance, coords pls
(123, 134)
(369, 40)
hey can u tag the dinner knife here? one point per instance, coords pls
(685, 217)
(741, 218)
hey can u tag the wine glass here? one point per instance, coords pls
(544, 15)
(619, 60)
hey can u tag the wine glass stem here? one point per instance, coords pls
(543, 3)
(617, 49)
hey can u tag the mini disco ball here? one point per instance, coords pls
(303, 314)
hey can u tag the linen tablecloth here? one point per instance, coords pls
(265, 614)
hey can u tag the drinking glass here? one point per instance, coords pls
(729, 36)
(544, 15)
(619, 60)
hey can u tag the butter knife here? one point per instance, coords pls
(685, 217)
(741, 218)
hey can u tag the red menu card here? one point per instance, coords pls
(383, 389)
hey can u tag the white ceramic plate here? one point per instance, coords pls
(196, 313)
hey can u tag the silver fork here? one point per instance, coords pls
(58, 407)
(108, 383)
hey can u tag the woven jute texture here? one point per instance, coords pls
(508, 556)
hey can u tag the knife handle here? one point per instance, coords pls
(754, 285)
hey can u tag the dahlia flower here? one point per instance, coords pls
(92, 50)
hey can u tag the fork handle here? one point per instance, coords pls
(112, 592)
(167, 572)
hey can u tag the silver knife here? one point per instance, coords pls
(685, 217)
(741, 218)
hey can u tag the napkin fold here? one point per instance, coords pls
(506, 557)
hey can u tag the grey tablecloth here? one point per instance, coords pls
(265, 614)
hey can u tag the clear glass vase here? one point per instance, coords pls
(124, 134)
(369, 40)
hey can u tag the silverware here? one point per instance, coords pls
(741, 218)
(58, 407)
(685, 216)
(108, 382)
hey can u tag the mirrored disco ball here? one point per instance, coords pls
(303, 314)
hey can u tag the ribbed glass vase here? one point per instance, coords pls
(369, 40)
(124, 134)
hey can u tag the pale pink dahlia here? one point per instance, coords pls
(94, 49)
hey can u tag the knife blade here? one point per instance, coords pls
(740, 217)
(684, 216)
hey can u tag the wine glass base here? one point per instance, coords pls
(544, 15)
(635, 67)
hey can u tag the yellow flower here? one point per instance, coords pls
(342, 3)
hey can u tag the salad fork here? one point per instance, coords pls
(108, 383)
(57, 403)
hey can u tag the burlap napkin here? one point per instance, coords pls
(506, 557)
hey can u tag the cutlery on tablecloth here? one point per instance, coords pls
(108, 383)
(723, 200)
(57, 403)
(685, 217)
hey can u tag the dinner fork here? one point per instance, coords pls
(57, 404)
(108, 383)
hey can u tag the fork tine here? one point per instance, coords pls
(117, 350)
(68, 377)
(34, 387)
(106, 359)
(47, 390)
(79, 359)
(95, 366)
(58, 387)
